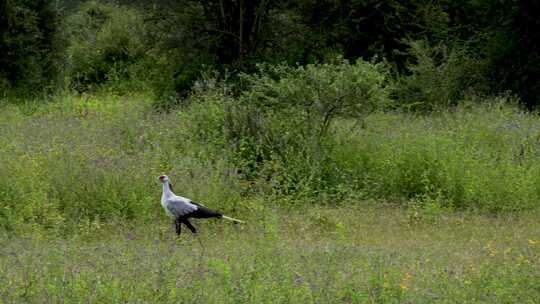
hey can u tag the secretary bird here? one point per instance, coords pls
(181, 208)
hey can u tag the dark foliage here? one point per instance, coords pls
(517, 62)
(29, 46)
(169, 43)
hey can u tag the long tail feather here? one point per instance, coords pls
(233, 219)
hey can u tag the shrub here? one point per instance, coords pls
(317, 94)
(279, 127)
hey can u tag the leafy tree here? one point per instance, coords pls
(191, 36)
(367, 28)
(29, 45)
(105, 44)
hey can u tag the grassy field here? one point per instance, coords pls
(323, 255)
(405, 208)
(87, 158)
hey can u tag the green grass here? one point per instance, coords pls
(81, 159)
(441, 208)
(322, 255)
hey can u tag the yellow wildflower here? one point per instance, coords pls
(405, 281)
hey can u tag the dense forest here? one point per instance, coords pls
(446, 48)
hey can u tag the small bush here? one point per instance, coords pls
(279, 127)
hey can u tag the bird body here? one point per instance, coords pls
(175, 205)
(181, 208)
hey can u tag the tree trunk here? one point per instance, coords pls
(238, 23)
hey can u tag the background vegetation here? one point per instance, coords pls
(381, 151)
(165, 45)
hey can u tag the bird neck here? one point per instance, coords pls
(166, 189)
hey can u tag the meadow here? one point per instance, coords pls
(426, 208)
(364, 254)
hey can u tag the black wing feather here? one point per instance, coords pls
(204, 212)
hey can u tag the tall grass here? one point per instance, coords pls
(89, 159)
(482, 157)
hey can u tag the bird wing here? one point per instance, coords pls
(203, 211)
(197, 204)
(180, 207)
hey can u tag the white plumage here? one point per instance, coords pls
(175, 205)
(181, 208)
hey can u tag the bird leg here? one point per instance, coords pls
(177, 226)
(190, 227)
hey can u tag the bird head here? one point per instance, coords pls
(163, 178)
